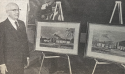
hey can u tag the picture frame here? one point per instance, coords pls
(58, 37)
(106, 42)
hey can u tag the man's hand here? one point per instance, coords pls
(3, 68)
(28, 61)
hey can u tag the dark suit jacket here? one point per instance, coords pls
(13, 44)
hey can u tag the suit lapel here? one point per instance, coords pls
(11, 29)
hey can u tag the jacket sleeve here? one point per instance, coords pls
(2, 58)
(27, 42)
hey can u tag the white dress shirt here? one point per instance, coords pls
(13, 22)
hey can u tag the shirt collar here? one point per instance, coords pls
(11, 20)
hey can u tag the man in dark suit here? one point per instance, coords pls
(14, 50)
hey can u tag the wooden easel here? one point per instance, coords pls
(45, 57)
(120, 12)
(57, 13)
(58, 10)
(120, 21)
(96, 63)
(58, 5)
(120, 16)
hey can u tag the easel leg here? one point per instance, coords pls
(123, 65)
(54, 12)
(120, 14)
(58, 4)
(119, 10)
(69, 65)
(94, 68)
(42, 62)
(113, 13)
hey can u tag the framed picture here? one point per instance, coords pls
(106, 42)
(59, 37)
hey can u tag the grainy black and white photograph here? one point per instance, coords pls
(57, 37)
(106, 42)
(62, 37)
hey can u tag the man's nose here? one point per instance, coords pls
(17, 12)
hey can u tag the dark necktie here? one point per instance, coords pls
(17, 25)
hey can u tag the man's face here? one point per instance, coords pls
(13, 12)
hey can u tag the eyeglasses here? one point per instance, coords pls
(14, 10)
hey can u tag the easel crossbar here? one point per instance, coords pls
(44, 56)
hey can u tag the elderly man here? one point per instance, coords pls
(14, 50)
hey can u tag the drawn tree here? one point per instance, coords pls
(70, 34)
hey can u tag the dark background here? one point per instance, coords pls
(79, 10)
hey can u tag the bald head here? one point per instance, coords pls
(10, 6)
(12, 10)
